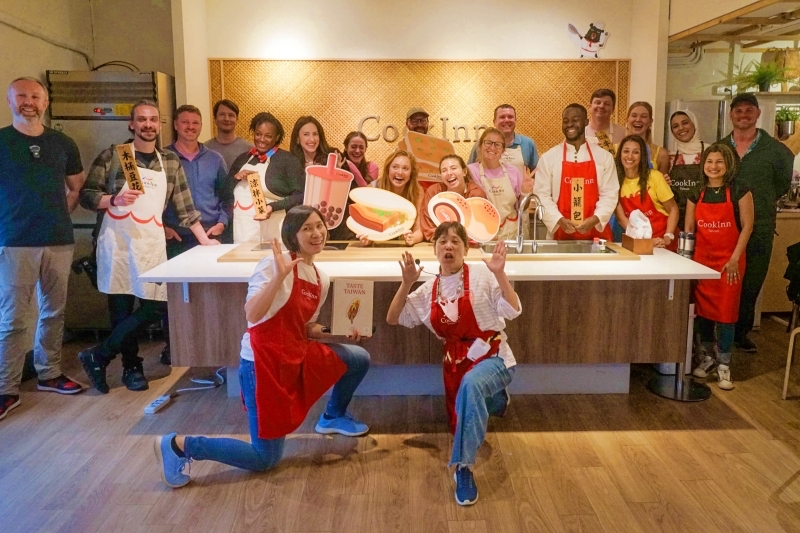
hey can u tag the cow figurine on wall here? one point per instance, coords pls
(591, 43)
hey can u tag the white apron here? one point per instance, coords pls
(132, 241)
(513, 157)
(501, 193)
(245, 227)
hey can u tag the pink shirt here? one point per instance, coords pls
(513, 175)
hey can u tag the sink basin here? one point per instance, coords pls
(549, 247)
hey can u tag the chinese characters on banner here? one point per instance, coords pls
(576, 184)
(259, 203)
(129, 168)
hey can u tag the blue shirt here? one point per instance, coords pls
(205, 175)
(529, 153)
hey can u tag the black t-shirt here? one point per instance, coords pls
(718, 196)
(33, 201)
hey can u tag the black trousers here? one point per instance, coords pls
(127, 324)
(759, 250)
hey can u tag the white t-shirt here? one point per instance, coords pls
(488, 304)
(263, 274)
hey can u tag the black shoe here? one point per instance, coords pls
(166, 357)
(94, 363)
(7, 403)
(134, 379)
(746, 345)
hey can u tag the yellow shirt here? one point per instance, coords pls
(657, 188)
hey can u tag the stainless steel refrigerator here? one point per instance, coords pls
(713, 117)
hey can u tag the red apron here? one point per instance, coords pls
(658, 220)
(292, 372)
(588, 171)
(458, 337)
(716, 237)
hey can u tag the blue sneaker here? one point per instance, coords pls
(466, 491)
(344, 425)
(171, 465)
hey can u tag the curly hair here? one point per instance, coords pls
(644, 167)
(268, 118)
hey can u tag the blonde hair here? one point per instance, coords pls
(411, 191)
(486, 132)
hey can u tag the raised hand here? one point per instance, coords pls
(282, 267)
(497, 262)
(409, 268)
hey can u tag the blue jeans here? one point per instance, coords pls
(263, 454)
(480, 395)
(724, 337)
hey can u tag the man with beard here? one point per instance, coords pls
(600, 130)
(520, 149)
(227, 143)
(37, 165)
(417, 120)
(131, 240)
(576, 183)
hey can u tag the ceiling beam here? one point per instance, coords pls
(725, 18)
(763, 21)
(767, 38)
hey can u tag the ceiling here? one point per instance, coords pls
(758, 24)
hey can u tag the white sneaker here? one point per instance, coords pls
(725, 381)
(705, 368)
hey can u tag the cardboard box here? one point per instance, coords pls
(638, 246)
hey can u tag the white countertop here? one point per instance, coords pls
(199, 265)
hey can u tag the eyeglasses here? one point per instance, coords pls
(418, 121)
(489, 144)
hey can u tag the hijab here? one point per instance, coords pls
(694, 145)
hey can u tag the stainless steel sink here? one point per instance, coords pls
(548, 247)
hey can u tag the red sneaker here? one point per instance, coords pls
(62, 385)
(7, 403)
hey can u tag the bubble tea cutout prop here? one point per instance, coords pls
(327, 188)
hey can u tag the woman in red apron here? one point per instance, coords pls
(466, 306)
(721, 216)
(645, 189)
(283, 372)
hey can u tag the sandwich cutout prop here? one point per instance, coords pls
(326, 190)
(380, 215)
(428, 151)
(478, 216)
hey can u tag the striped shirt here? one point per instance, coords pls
(106, 177)
(490, 308)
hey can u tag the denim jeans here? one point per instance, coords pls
(262, 454)
(723, 336)
(479, 396)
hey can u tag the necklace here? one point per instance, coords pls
(460, 286)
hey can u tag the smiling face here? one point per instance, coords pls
(631, 156)
(505, 120)
(225, 119)
(639, 121)
(682, 127)
(601, 108)
(356, 149)
(453, 175)
(491, 149)
(418, 122)
(188, 126)
(399, 173)
(744, 116)
(264, 137)
(146, 123)
(573, 124)
(450, 251)
(308, 139)
(714, 168)
(27, 100)
(312, 235)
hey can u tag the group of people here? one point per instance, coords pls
(197, 194)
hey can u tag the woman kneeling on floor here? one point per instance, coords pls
(465, 306)
(282, 371)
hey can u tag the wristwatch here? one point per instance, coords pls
(671, 236)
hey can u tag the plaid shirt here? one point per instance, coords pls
(106, 177)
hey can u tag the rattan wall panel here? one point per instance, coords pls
(340, 93)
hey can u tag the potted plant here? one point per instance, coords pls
(784, 120)
(761, 75)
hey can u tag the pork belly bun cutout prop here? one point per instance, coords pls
(380, 215)
(428, 151)
(326, 189)
(478, 216)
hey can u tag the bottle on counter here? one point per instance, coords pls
(688, 246)
(596, 245)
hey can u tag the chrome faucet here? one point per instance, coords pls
(523, 206)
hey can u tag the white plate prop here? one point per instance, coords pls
(380, 215)
(326, 189)
(485, 220)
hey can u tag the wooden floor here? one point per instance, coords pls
(613, 463)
